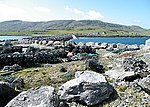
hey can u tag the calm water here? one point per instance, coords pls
(11, 37)
(123, 40)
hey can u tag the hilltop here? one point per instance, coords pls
(69, 26)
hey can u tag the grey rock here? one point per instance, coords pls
(42, 97)
(88, 87)
(104, 45)
(134, 64)
(7, 43)
(14, 67)
(7, 92)
(50, 43)
(63, 104)
(18, 83)
(134, 47)
(145, 83)
(130, 69)
(119, 73)
(121, 46)
(90, 44)
(109, 49)
(147, 42)
(89, 76)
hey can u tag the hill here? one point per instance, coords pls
(65, 26)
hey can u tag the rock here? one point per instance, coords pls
(7, 92)
(109, 49)
(50, 43)
(18, 83)
(131, 69)
(9, 79)
(44, 42)
(57, 43)
(145, 84)
(147, 42)
(121, 46)
(6, 68)
(81, 44)
(7, 43)
(114, 45)
(43, 97)
(118, 62)
(134, 64)
(133, 47)
(90, 44)
(104, 45)
(94, 65)
(63, 104)
(16, 67)
(119, 73)
(146, 58)
(88, 87)
(109, 55)
(63, 69)
(89, 76)
(97, 43)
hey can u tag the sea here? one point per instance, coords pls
(11, 37)
(122, 40)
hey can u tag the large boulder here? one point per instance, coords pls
(131, 69)
(119, 73)
(88, 87)
(42, 97)
(135, 64)
(145, 84)
(94, 65)
(7, 92)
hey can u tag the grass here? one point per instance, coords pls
(48, 76)
(84, 30)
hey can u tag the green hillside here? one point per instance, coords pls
(82, 27)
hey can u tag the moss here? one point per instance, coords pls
(122, 94)
(121, 88)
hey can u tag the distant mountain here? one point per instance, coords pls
(19, 26)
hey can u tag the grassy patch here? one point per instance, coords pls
(51, 76)
(84, 30)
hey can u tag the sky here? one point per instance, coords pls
(126, 12)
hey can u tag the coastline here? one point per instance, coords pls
(91, 36)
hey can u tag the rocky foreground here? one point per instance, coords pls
(97, 75)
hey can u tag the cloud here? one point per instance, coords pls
(95, 15)
(42, 9)
(79, 14)
(73, 10)
(7, 12)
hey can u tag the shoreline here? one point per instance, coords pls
(78, 36)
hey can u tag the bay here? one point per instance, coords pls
(122, 40)
(11, 37)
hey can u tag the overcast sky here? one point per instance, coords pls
(127, 12)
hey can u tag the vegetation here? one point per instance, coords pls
(82, 27)
(48, 75)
